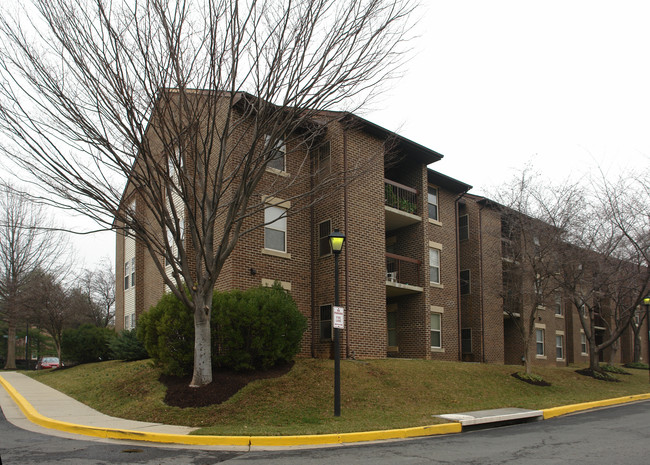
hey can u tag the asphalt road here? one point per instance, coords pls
(616, 435)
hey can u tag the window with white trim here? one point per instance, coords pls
(275, 231)
(559, 347)
(558, 304)
(436, 330)
(432, 200)
(127, 273)
(277, 155)
(583, 344)
(434, 265)
(133, 272)
(539, 341)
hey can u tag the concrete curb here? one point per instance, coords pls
(563, 410)
(265, 441)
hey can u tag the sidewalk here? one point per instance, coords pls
(26, 402)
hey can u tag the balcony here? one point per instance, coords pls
(401, 204)
(402, 275)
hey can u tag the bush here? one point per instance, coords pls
(126, 346)
(167, 332)
(255, 329)
(86, 344)
(613, 369)
(636, 365)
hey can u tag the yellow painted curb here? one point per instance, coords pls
(557, 411)
(318, 439)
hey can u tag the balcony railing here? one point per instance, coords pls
(401, 197)
(402, 270)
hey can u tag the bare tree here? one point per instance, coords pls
(606, 267)
(535, 218)
(95, 93)
(27, 247)
(50, 305)
(97, 288)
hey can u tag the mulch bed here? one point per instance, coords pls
(223, 386)
(600, 377)
(530, 381)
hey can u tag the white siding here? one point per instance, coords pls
(129, 294)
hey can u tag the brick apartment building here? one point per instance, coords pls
(421, 269)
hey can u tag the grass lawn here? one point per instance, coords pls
(375, 394)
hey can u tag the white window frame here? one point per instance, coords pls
(133, 272)
(559, 337)
(436, 202)
(438, 330)
(540, 341)
(277, 224)
(127, 274)
(280, 147)
(435, 257)
(583, 343)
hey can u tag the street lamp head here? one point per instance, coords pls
(646, 300)
(336, 241)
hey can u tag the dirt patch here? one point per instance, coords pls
(223, 386)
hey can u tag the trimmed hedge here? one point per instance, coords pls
(253, 329)
(86, 344)
(257, 328)
(167, 332)
(126, 346)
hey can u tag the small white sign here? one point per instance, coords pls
(339, 317)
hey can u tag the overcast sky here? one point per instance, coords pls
(496, 84)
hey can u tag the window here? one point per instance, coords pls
(277, 154)
(133, 272)
(463, 227)
(324, 230)
(539, 339)
(323, 160)
(127, 272)
(436, 333)
(275, 231)
(466, 340)
(464, 282)
(433, 203)
(559, 347)
(558, 304)
(583, 344)
(434, 266)
(326, 322)
(391, 325)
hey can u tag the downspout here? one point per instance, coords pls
(482, 281)
(312, 272)
(345, 226)
(458, 297)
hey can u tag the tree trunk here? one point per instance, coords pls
(202, 374)
(10, 364)
(593, 357)
(613, 350)
(637, 347)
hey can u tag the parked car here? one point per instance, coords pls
(48, 362)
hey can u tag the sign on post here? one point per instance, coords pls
(339, 317)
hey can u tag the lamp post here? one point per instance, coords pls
(336, 242)
(646, 302)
